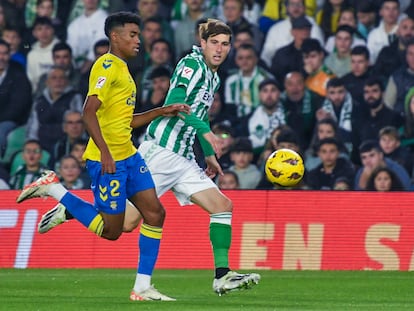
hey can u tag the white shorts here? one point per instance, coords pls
(171, 171)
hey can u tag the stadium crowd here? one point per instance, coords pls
(330, 79)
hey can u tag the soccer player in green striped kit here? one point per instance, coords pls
(168, 153)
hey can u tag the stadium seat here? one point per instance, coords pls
(17, 160)
(15, 142)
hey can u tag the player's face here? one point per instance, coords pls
(359, 65)
(127, 40)
(382, 182)
(388, 143)
(336, 95)
(215, 50)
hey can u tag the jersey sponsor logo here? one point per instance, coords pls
(187, 72)
(143, 169)
(100, 83)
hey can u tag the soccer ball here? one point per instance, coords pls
(284, 167)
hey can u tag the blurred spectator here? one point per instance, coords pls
(400, 82)
(390, 143)
(348, 18)
(62, 57)
(13, 14)
(160, 78)
(13, 37)
(70, 173)
(378, 115)
(384, 179)
(32, 168)
(393, 56)
(367, 16)
(340, 106)
(251, 10)
(151, 30)
(4, 178)
(186, 28)
(372, 157)
(332, 166)
(280, 35)
(228, 181)
(342, 184)
(408, 127)
(300, 106)
(219, 112)
(15, 95)
(39, 59)
(77, 151)
(267, 116)
(327, 18)
(152, 8)
(233, 16)
(385, 33)
(73, 129)
(226, 138)
(44, 8)
(289, 58)
(241, 155)
(275, 10)
(161, 55)
(100, 48)
(46, 118)
(241, 87)
(339, 61)
(324, 128)
(360, 70)
(313, 62)
(84, 31)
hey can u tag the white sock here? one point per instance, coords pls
(57, 191)
(142, 282)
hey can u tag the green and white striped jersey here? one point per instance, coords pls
(200, 84)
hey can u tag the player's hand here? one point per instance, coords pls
(108, 163)
(214, 142)
(173, 110)
(213, 167)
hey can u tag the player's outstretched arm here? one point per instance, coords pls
(213, 167)
(143, 118)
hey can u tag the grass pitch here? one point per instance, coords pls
(108, 289)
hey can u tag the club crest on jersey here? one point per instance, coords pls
(100, 83)
(187, 72)
(206, 97)
(107, 63)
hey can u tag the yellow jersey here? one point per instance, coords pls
(112, 83)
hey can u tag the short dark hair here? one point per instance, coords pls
(60, 46)
(390, 131)
(311, 45)
(368, 145)
(335, 82)
(120, 19)
(328, 141)
(395, 1)
(248, 46)
(160, 71)
(100, 43)
(360, 50)
(373, 80)
(41, 21)
(346, 28)
(161, 40)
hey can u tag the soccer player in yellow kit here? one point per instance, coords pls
(117, 170)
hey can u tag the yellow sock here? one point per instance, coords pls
(97, 225)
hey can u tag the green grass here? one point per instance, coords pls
(108, 289)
